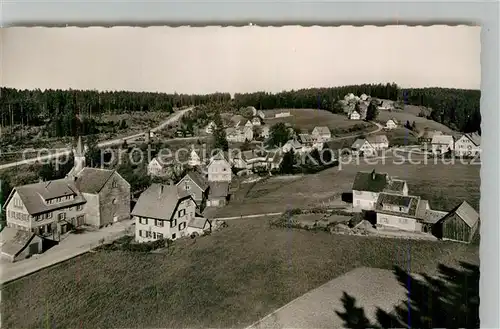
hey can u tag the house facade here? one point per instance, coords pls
(264, 131)
(218, 194)
(468, 145)
(194, 159)
(391, 124)
(195, 184)
(458, 225)
(159, 167)
(45, 208)
(354, 116)
(322, 133)
(209, 129)
(107, 194)
(163, 212)
(427, 135)
(219, 169)
(441, 144)
(256, 121)
(362, 147)
(240, 134)
(398, 211)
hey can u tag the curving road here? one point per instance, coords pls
(379, 128)
(118, 141)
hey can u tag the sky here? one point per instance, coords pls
(238, 59)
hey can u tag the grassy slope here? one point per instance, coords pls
(228, 279)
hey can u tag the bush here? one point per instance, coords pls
(127, 243)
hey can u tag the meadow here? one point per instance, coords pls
(230, 278)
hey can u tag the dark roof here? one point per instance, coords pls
(475, 138)
(395, 185)
(364, 181)
(92, 180)
(14, 241)
(197, 178)
(159, 201)
(35, 195)
(398, 200)
(218, 189)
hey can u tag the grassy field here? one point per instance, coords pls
(443, 185)
(307, 119)
(228, 279)
(400, 136)
(412, 115)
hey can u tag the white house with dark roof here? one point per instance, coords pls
(163, 212)
(368, 185)
(46, 207)
(321, 133)
(391, 124)
(354, 115)
(441, 144)
(194, 159)
(468, 145)
(362, 147)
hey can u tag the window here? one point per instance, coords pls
(148, 234)
(173, 223)
(159, 236)
(173, 236)
(182, 226)
(114, 184)
(61, 216)
(79, 207)
(140, 233)
(159, 223)
(403, 220)
(181, 212)
(143, 220)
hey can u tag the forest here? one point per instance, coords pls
(71, 112)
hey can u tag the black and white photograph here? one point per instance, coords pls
(240, 177)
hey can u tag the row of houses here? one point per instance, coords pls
(370, 145)
(48, 209)
(465, 146)
(389, 198)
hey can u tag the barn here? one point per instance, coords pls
(460, 224)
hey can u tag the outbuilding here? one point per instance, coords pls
(459, 225)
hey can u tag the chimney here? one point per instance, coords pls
(373, 174)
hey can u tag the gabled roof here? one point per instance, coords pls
(306, 138)
(398, 200)
(395, 185)
(218, 189)
(196, 178)
(159, 201)
(35, 195)
(322, 130)
(442, 139)
(377, 139)
(14, 241)
(92, 180)
(474, 138)
(358, 143)
(468, 214)
(198, 222)
(370, 181)
(294, 143)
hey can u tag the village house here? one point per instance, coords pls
(362, 147)
(107, 194)
(295, 145)
(163, 166)
(427, 135)
(391, 124)
(194, 159)
(236, 120)
(218, 194)
(219, 169)
(378, 142)
(209, 129)
(322, 133)
(261, 114)
(441, 144)
(199, 225)
(196, 185)
(239, 134)
(385, 105)
(354, 116)
(45, 208)
(468, 145)
(17, 245)
(398, 211)
(163, 212)
(459, 225)
(368, 185)
(363, 97)
(249, 124)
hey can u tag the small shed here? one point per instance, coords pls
(459, 225)
(198, 226)
(17, 244)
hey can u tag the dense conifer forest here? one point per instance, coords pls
(72, 112)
